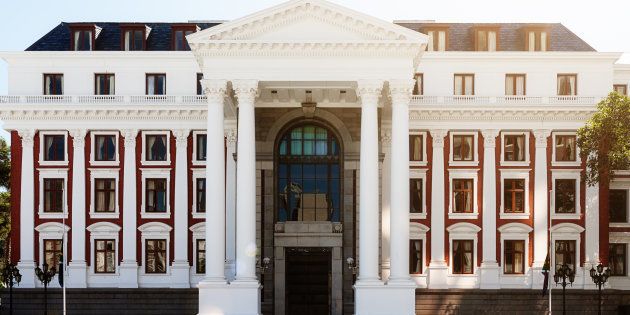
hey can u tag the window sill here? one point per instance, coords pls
(104, 215)
(155, 215)
(417, 163)
(556, 163)
(167, 273)
(53, 163)
(103, 275)
(515, 163)
(565, 216)
(467, 163)
(104, 163)
(470, 216)
(52, 215)
(620, 225)
(198, 163)
(507, 216)
(156, 163)
(199, 215)
(418, 216)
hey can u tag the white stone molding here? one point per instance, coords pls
(155, 230)
(489, 137)
(129, 266)
(198, 233)
(143, 153)
(424, 161)
(463, 174)
(515, 231)
(418, 231)
(578, 160)
(438, 137)
(438, 269)
(98, 173)
(52, 231)
(245, 90)
(42, 162)
(369, 90)
(475, 148)
(197, 173)
(27, 136)
(574, 174)
(159, 173)
(541, 194)
(196, 146)
(463, 231)
(526, 162)
(541, 136)
(93, 160)
(46, 173)
(214, 90)
(129, 136)
(230, 136)
(515, 174)
(103, 231)
(181, 270)
(567, 231)
(489, 271)
(77, 268)
(400, 91)
(422, 175)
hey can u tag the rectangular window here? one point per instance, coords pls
(202, 143)
(418, 87)
(463, 257)
(199, 87)
(155, 147)
(156, 84)
(514, 196)
(415, 256)
(416, 148)
(617, 259)
(567, 84)
(514, 257)
(463, 148)
(463, 195)
(565, 254)
(201, 195)
(179, 39)
(53, 84)
(82, 40)
(621, 89)
(514, 84)
(565, 195)
(464, 84)
(155, 256)
(104, 84)
(536, 40)
(201, 256)
(156, 195)
(54, 148)
(486, 40)
(134, 39)
(53, 250)
(514, 148)
(105, 195)
(618, 206)
(53, 194)
(566, 148)
(105, 148)
(104, 256)
(437, 39)
(415, 192)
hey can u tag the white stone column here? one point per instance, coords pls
(489, 266)
(438, 270)
(230, 203)
(77, 277)
(591, 233)
(26, 263)
(180, 269)
(541, 218)
(129, 266)
(386, 144)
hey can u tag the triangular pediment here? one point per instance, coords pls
(307, 21)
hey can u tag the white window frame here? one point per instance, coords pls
(515, 232)
(155, 173)
(526, 144)
(168, 147)
(194, 153)
(566, 174)
(420, 174)
(103, 231)
(198, 233)
(157, 231)
(566, 232)
(93, 160)
(463, 174)
(423, 134)
(577, 162)
(45, 173)
(52, 231)
(196, 174)
(104, 173)
(463, 231)
(475, 161)
(622, 184)
(43, 162)
(621, 238)
(418, 231)
(515, 174)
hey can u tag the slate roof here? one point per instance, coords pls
(460, 36)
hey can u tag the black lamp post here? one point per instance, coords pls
(564, 273)
(10, 276)
(600, 276)
(45, 275)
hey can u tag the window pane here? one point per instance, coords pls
(416, 195)
(617, 259)
(202, 143)
(415, 257)
(514, 148)
(415, 148)
(618, 205)
(156, 147)
(565, 148)
(565, 195)
(463, 148)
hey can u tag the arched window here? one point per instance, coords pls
(309, 175)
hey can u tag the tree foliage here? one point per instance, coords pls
(605, 139)
(5, 165)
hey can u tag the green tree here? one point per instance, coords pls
(605, 145)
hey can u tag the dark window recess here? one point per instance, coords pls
(514, 256)
(53, 250)
(514, 196)
(105, 256)
(416, 148)
(105, 195)
(156, 84)
(415, 257)
(134, 39)
(179, 39)
(415, 193)
(54, 148)
(156, 147)
(618, 206)
(565, 254)
(201, 256)
(105, 147)
(565, 195)
(201, 195)
(566, 148)
(155, 256)
(202, 143)
(104, 84)
(463, 195)
(199, 87)
(617, 255)
(156, 195)
(463, 257)
(53, 84)
(53, 195)
(514, 148)
(82, 40)
(463, 148)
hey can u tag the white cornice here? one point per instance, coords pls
(520, 55)
(454, 114)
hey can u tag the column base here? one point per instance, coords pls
(27, 270)
(375, 298)
(588, 281)
(77, 274)
(237, 298)
(538, 278)
(180, 274)
(128, 274)
(489, 275)
(437, 275)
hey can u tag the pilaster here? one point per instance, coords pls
(437, 270)
(77, 269)
(489, 266)
(180, 268)
(541, 208)
(129, 266)
(27, 211)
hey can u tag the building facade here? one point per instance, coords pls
(260, 158)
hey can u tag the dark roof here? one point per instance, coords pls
(460, 36)
(511, 36)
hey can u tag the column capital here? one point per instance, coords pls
(230, 136)
(181, 137)
(369, 89)
(541, 136)
(386, 137)
(438, 137)
(78, 137)
(245, 90)
(489, 137)
(130, 136)
(214, 90)
(400, 91)
(27, 136)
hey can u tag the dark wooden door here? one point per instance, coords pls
(307, 286)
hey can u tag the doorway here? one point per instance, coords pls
(308, 281)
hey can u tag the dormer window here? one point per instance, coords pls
(83, 37)
(486, 39)
(438, 37)
(536, 40)
(179, 34)
(134, 37)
